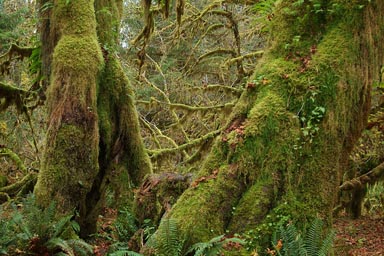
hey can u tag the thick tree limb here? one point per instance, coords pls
(369, 177)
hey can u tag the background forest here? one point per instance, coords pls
(190, 65)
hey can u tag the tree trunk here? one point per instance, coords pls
(287, 143)
(93, 135)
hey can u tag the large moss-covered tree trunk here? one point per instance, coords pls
(287, 143)
(93, 137)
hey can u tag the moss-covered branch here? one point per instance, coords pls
(157, 153)
(22, 186)
(372, 176)
(155, 101)
(11, 95)
(245, 56)
(173, 113)
(14, 157)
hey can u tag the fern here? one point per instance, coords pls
(314, 243)
(6, 236)
(168, 242)
(80, 247)
(212, 247)
(120, 249)
(313, 237)
(327, 244)
(59, 244)
(37, 230)
(125, 253)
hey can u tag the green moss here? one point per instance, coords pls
(199, 218)
(253, 206)
(3, 180)
(76, 18)
(71, 150)
(78, 53)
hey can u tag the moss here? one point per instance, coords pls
(3, 180)
(217, 195)
(279, 170)
(76, 18)
(70, 158)
(70, 151)
(253, 206)
(80, 54)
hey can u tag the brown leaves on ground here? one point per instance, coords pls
(361, 237)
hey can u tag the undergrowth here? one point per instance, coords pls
(27, 229)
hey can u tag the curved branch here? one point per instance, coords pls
(192, 143)
(187, 107)
(370, 177)
(12, 96)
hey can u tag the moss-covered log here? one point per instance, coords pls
(287, 143)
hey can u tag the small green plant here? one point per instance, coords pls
(287, 241)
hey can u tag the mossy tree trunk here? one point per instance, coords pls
(287, 143)
(93, 137)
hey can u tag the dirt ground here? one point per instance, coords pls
(361, 237)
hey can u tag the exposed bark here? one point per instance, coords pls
(290, 135)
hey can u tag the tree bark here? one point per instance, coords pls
(288, 140)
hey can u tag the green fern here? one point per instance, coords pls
(313, 237)
(327, 244)
(37, 230)
(6, 236)
(313, 243)
(125, 253)
(167, 240)
(213, 247)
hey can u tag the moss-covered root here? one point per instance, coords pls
(70, 157)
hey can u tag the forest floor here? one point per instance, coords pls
(360, 237)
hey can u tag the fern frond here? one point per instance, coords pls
(59, 244)
(60, 226)
(313, 237)
(213, 246)
(125, 253)
(168, 240)
(327, 244)
(80, 247)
